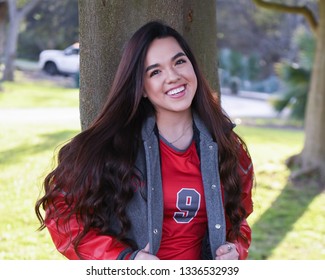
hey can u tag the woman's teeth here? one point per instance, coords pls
(175, 91)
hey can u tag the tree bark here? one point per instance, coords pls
(106, 25)
(313, 154)
(200, 30)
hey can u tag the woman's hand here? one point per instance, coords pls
(144, 254)
(227, 251)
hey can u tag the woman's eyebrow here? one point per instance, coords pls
(152, 67)
(157, 64)
(178, 55)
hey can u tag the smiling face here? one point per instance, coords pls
(170, 82)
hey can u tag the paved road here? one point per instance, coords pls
(247, 106)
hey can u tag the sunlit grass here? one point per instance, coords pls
(27, 153)
(289, 220)
(39, 94)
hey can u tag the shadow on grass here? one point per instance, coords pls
(279, 219)
(50, 141)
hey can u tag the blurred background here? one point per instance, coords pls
(265, 65)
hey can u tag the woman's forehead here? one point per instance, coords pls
(162, 49)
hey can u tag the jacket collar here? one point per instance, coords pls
(199, 124)
(149, 127)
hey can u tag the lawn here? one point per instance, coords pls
(288, 221)
(40, 94)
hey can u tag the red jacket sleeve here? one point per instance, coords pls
(246, 172)
(92, 247)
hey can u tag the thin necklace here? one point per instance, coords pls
(185, 130)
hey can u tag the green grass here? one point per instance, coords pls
(26, 153)
(288, 221)
(37, 94)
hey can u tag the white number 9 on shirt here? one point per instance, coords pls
(188, 202)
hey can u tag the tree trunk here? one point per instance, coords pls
(10, 51)
(11, 42)
(313, 154)
(200, 31)
(312, 158)
(3, 23)
(106, 25)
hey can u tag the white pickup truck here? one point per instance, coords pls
(60, 62)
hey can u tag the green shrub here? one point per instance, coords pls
(296, 76)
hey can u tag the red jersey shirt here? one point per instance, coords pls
(185, 219)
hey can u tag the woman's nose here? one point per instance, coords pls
(172, 75)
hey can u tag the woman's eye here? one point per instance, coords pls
(180, 61)
(153, 73)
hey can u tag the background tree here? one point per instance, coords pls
(251, 40)
(49, 17)
(16, 15)
(296, 76)
(3, 20)
(247, 30)
(106, 25)
(311, 160)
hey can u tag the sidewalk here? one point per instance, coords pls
(247, 94)
(40, 114)
(247, 104)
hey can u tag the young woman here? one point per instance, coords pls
(160, 174)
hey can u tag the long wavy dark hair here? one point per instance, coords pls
(97, 165)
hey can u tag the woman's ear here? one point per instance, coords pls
(144, 94)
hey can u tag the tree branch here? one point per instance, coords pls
(22, 12)
(30, 6)
(303, 10)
